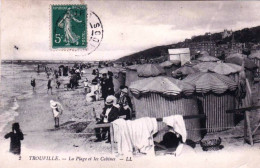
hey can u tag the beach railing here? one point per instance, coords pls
(110, 126)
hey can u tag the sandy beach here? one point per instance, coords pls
(75, 137)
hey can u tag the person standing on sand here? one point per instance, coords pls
(49, 86)
(16, 136)
(33, 83)
(57, 111)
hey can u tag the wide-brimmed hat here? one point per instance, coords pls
(124, 90)
(110, 100)
(53, 104)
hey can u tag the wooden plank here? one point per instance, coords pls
(242, 110)
(102, 125)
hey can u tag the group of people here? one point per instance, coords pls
(118, 106)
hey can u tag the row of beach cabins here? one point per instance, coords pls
(206, 86)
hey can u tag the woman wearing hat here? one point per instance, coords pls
(124, 102)
(109, 114)
(57, 111)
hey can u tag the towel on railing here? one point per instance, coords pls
(178, 125)
(135, 136)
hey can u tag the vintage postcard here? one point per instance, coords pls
(129, 84)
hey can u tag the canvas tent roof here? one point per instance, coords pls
(206, 82)
(204, 66)
(238, 59)
(207, 58)
(225, 68)
(161, 84)
(148, 70)
(255, 55)
(185, 70)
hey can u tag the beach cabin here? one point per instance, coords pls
(163, 96)
(181, 54)
(216, 95)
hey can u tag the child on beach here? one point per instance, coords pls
(16, 136)
(57, 111)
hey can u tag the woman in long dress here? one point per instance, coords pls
(70, 36)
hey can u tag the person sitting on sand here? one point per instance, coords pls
(33, 82)
(49, 86)
(57, 111)
(16, 136)
(109, 114)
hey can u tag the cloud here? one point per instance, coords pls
(129, 26)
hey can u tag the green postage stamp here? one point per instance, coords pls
(69, 26)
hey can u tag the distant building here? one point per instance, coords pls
(182, 54)
(226, 33)
(209, 46)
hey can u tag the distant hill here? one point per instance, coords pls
(150, 53)
(246, 35)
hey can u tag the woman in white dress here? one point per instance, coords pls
(57, 111)
(65, 23)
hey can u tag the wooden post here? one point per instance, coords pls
(249, 128)
(112, 138)
(245, 128)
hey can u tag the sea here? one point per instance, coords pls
(15, 87)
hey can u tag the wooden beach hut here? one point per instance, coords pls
(216, 95)
(163, 96)
(170, 66)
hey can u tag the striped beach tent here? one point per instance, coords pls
(216, 93)
(164, 96)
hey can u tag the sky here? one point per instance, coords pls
(129, 26)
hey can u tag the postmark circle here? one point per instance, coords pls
(95, 32)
